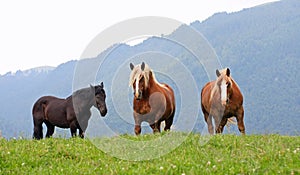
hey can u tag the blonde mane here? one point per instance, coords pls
(137, 73)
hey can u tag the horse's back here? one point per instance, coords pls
(44, 100)
(51, 109)
(42, 103)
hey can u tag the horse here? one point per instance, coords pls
(222, 99)
(72, 112)
(153, 102)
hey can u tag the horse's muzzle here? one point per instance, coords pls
(102, 110)
(103, 113)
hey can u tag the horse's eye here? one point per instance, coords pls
(228, 84)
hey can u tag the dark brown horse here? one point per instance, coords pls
(222, 99)
(72, 112)
(153, 102)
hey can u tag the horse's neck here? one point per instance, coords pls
(82, 103)
(89, 103)
(235, 92)
(151, 86)
(153, 81)
(234, 84)
(146, 92)
(149, 89)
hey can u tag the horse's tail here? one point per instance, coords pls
(230, 121)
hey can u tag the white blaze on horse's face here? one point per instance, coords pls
(136, 93)
(137, 79)
(139, 87)
(223, 87)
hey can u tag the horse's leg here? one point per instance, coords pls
(221, 125)
(50, 129)
(208, 119)
(240, 120)
(41, 131)
(157, 129)
(82, 128)
(73, 128)
(154, 121)
(218, 123)
(81, 133)
(137, 129)
(38, 129)
(169, 122)
(156, 126)
(158, 118)
(138, 122)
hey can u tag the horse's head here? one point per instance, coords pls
(100, 99)
(224, 82)
(139, 79)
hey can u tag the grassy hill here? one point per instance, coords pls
(222, 154)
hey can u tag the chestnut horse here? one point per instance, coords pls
(222, 99)
(153, 102)
(72, 112)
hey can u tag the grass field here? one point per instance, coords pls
(222, 154)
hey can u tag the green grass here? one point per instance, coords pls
(222, 154)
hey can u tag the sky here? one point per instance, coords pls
(36, 33)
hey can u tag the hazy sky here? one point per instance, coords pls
(36, 33)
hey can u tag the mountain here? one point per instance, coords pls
(260, 45)
(31, 72)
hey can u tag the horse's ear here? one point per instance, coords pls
(131, 66)
(143, 66)
(218, 73)
(102, 85)
(92, 87)
(228, 72)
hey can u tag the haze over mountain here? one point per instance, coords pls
(260, 45)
